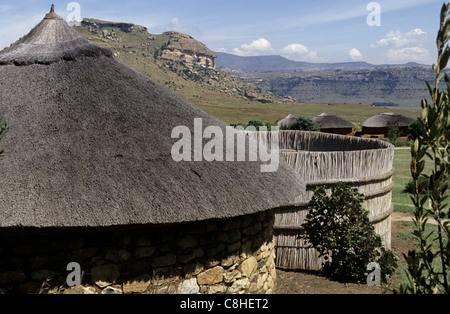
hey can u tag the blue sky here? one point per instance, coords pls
(313, 31)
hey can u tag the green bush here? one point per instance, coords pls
(256, 123)
(338, 227)
(393, 133)
(303, 124)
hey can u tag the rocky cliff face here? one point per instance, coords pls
(125, 27)
(186, 49)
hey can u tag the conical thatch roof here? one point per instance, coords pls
(50, 41)
(90, 144)
(288, 121)
(331, 121)
(383, 120)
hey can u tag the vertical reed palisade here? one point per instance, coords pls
(325, 160)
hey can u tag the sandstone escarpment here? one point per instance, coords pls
(125, 27)
(186, 49)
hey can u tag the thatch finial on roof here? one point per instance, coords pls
(51, 41)
(52, 15)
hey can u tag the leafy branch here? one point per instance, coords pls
(428, 269)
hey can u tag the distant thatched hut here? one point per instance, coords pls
(379, 125)
(88, 177)
(288, 121)
(330, 123)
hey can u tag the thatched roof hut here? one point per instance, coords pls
(330, 123)
(381, 123)
(90, 144)
(88, 176)
(288, 121)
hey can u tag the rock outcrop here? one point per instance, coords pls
(125, 27)
(186, 49)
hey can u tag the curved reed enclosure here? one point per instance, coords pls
(326, 159)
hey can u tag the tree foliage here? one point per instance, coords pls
(338, 227)
(415, 130)
(428, 268)
(303, 124)
(393, 132)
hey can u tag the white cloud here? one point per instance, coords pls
(408, 54)
(257, 47)
(355, 54)
(397, 39)
(176, 25)
(299, 52)
(262, 46)
(397, 46)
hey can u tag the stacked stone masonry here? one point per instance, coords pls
(233, 256)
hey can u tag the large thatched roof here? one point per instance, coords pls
(384, 120)
(331, 121)
(90, 144)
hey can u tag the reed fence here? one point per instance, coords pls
(324, 160)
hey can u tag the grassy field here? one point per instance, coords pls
(402, 201)
(230, 111)
(402, 176)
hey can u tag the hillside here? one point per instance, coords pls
(351, 82)
(217, 92)
(404, 86)
(176, 61)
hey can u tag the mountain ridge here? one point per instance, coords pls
(175, 60)
(279, 64)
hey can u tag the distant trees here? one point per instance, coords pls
(303, 124)
(257, 124)
(393, 133)
(385, 104)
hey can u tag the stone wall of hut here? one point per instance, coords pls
(220, 256)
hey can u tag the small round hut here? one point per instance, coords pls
(330, 123)
(379, 125)
(288, 121)
(88, 178)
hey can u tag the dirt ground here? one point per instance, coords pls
(296, 282)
